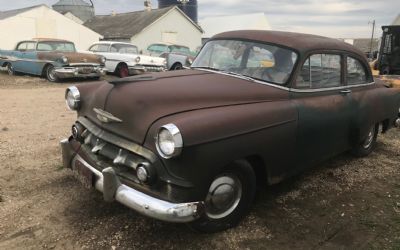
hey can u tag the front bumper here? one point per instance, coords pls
(80, 72)
(140, 69)
(108, 183)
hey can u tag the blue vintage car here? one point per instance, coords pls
(54, 59)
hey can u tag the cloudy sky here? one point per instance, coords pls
(334, 18)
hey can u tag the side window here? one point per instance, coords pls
(94, 48)
(22, 46)
(356, 73)
(31, 46)
(320, 71)
(103, 48)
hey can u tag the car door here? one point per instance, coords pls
(322, 101)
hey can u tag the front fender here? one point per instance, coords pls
(215, 137)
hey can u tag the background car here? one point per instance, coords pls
(123, 59)
(177, 56)
(52, 58)
(256, 107)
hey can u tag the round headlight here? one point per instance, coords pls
(169, 141)
(137, 59)
(142, 174)
(73, 98)
(103, 59)
(189, 61)
(64, 59)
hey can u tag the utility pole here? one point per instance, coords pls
(372, 39)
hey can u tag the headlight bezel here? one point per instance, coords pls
(177, 140)
(64, 60)
(137, 59)
(75, 104)
(103, 60)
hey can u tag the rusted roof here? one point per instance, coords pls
(298, 41)
(124, 25)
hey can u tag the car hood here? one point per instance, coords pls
(73, 57)
(141, 103)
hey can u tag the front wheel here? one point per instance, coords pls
(122, 71)
(51, 73)
(229, 198)
(10, 69)
(368, 144)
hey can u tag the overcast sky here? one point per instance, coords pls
(334, 18)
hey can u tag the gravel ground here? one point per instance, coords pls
(345, 203)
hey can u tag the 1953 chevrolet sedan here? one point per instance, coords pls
(256, 107)
(52, 58)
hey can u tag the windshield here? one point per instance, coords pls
(256, 60)
(158, 48)
(56, 46)
(124, 49)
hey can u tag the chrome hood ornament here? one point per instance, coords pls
(106, 117)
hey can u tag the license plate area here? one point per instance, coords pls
(83, 174)
(86, 70)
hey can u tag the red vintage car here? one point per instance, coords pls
(256, 107)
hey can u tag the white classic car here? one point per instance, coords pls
(124, 59)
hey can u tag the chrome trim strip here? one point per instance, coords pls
(118, 141)
(108, 183)
(286, 88)
(330, 89)
(85, 64)
(15, 59)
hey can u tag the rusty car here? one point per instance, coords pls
(54, 59)
(255, 108)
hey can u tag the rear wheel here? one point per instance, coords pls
(368, 144)
(122, 70)
(10, 69)
(229, 198)
(51, 73)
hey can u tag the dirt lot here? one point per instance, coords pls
(345, 203)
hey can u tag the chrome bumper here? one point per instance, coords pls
(140, 69)
(108, 183)
(72, 72)
(397, 123)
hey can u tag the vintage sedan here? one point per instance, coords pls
(123, 59)
(255, 108)
(177, 56)
(52, 58)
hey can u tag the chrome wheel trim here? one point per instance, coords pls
(51, 75)
(223, 196)
(370, 138)
(10, 69)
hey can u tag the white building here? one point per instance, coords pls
(219, 24)
(42, 22)
(142, 28)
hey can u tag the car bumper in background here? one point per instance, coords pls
(108, 183)
(140, 69)
(80, 72)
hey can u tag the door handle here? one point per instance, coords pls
(345, 91)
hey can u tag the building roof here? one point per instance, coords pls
(396, 21)
(219, 24)
(364, 44)
(303, 43)
(11, 13)
(126, 25)
(72, 2)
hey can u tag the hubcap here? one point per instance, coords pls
(10, 69)
(223, 196)
(368, 141)
(51, 74)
